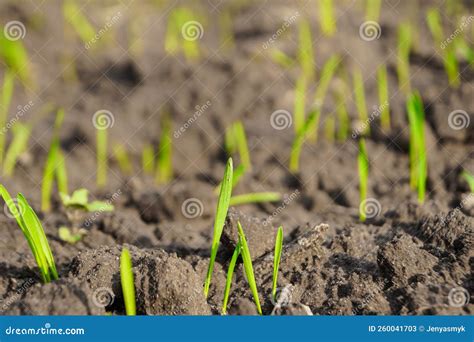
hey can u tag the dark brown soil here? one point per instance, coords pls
(410, 259)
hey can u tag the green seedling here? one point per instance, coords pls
(363, 166)
(258, 197)
(80, 200)
(148, 159)
(33, 231)
(236, 141)
(276, 260)
(383, 98)
(403, 57)
(372, 10)
(359, 93)
(469, 179)
(327, 74)
(14, 55)
(164, 164)
(7, 93)
(128, 284)
(123, 160)
(54, 166)
(326, 17)
(19, 144)
(183, 33)
(300, 102)
(237, 175)
(282, 59)
(451, 66)
(417, 149)
(221, 213)
(305, 50)
(248, 267)
(230, 273)
(300, 139)
(77, 204)
(81, 25)
(70, 236)
(342, 115)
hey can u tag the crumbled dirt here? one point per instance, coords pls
(408, 259)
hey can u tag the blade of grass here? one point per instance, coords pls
(7, 94)
(237, 174)
(72, 13)
(305, 50)
(327, 73)
(404, 44)
(16, 212)
(14, 55)
(51, 164)
(276, 260)
(326, 17)
(469, 179)
(383, 97)
(148, 159)
(372, 10)
(123, 160)
(342, 116)
(242, 145)
(257, 197)
(164, 169)
(330, 129)
(300, 139)
(359, 93)
(128, 284)
(221, 214)
(417, 148)
(230, 273)
(282, 58)
(363, 166)
(300, 102)
(33, 224)
(21, 135)
(248, 267)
